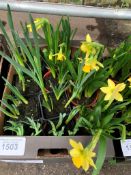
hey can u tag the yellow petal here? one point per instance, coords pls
(92, 154)
(105, 90)
(95, 67)
(88, 153)
(60, 57)
(88, 38)
(86, 68)
(50, 56)
(77, 162)
(100, 64)
(75, 153)
(129, 79)
(121, 87)
(87, 59)
(108, 97)
(37, 20)
(76, 145)
(118, 97)
(84, 47)
(85, 165)
(29, 27)
(111, 84)
(91, 162)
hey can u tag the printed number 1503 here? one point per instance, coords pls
(8, 146)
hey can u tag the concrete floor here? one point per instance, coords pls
(60, 169)
(106, 31)
(109, 32)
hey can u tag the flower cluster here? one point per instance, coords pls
(91, 50)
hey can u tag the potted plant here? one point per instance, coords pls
(58, 93)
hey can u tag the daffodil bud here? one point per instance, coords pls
(50, 56)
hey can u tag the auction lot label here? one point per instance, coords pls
(126, 147)
(12, 146)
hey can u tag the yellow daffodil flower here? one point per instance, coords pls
(39, 22)
(60, 56)
(129, 79)
(112, 91)
(91, 64)
(81, 157)
(85, 46)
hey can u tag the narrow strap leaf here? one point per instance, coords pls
(100, 156)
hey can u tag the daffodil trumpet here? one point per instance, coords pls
(91, 64)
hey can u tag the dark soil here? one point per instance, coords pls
(31, 110)
(31, 94)
(58, 107)
(31, 87)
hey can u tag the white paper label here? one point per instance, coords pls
(126, 147)
(12, 146)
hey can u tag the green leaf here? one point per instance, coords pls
(100, 155)
(8, 113)
(123, 135)
(93, 86)
(15, 64)
(15, 91)
(25, 50)
(72, 114)
(97, 115)
(8, 106)
(107, 119)
(11, 25)
(61, 118)
(70, 66)
(37, 48)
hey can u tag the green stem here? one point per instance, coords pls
(107, 106)
(95, 140)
